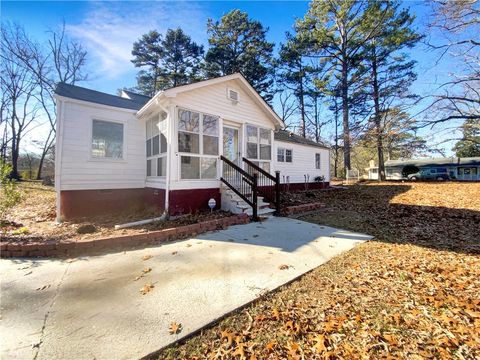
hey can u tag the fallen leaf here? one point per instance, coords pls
(175, 328)
(319, 343)
(270, 346)
(146, 270)
(229, 336)
(146, 288)
(283, 267)
(146, 257)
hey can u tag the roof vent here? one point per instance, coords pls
(233, 95)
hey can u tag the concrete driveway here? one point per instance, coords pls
(91, 308)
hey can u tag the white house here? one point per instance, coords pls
(130, 151)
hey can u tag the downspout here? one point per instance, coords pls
(169, 150)
(58, 159)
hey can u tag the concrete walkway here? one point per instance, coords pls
(91, 308)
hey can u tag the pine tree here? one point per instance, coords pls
(337, 32)
(469, 145)
(181, 61)
(238, 44)
(390, 71)
(171, 61)
(293, 74)
(148, 52)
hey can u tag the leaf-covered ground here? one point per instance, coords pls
(413, 292)
(33, 219)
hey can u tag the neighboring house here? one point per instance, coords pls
(115, 153)
(463, 169)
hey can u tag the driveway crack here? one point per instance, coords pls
(44, 325)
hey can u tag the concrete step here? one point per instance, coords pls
(262, 212)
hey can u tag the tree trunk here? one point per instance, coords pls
(378, 121)
(317, 129)
(335, 168)
(45, 150)
(346, 125)
(302, 108)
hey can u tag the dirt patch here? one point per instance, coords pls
(411, 293)
(33, 220)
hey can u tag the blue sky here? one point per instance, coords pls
(108, 29)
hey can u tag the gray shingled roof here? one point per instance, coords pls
(80, 93)
(452, 161)
(143, 99)
(287, 136)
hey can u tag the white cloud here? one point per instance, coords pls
(109, 30)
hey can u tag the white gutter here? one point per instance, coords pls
(169, 120)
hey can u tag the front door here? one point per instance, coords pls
(230, 144)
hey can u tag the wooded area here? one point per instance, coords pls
(346, 65)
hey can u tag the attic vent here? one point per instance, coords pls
(233, 95)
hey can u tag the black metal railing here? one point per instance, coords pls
(268, 185)
(242, 183)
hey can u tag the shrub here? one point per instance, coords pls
(9, 195)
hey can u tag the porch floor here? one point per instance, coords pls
(92, 307)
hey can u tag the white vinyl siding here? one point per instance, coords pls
(303, 162)
(82, 171)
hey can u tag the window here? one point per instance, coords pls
(284, 155)
(259, 146)
(252, 142)
(107, 140)
(259, 143)
(156, 146)
(288, 155)
(265, 144)
(317, 161)
(198, 138)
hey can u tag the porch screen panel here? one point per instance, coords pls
(156, 146)
(259, 146)
(198, 144)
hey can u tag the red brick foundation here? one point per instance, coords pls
(78, 247)
(88, 203)
(155, 198)
(190, 201)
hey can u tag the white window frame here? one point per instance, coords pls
(156, 121)
(90, 141)
(319, 165)
(258, 143)
(284, 152)
(200, 144)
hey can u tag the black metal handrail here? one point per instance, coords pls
(268, 185)
(242, 183)
(259, 169)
